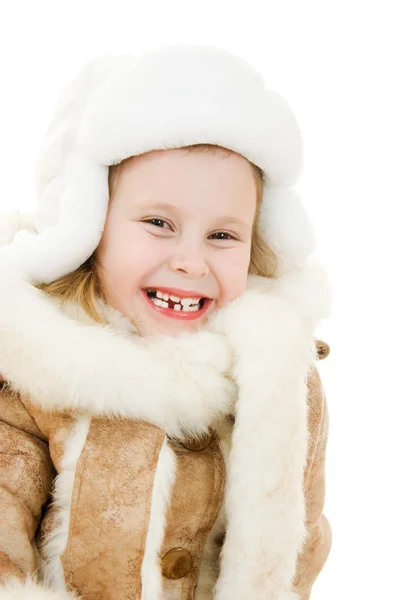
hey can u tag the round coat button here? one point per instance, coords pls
(197, 444)
(176, 563)
(323, 349)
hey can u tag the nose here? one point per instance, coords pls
(189, 258)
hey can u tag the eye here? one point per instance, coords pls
(221, 233)
(157, 223)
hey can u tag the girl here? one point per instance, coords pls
(163, 422)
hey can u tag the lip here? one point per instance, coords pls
(175, 314)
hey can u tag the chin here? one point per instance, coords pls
(173, 329)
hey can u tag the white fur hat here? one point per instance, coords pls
(170, 97)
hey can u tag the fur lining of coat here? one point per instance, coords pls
(14, 589)
(263, 346)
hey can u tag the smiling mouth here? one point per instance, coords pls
(175, 303)
(175, 307)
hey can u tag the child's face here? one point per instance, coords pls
(178, 221)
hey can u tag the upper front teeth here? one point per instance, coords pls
(185, 304)
(183, 301)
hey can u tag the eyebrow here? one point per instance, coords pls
(177, 210)
(163, 205)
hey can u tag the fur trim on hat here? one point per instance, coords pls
(117, 107)
(13, 222)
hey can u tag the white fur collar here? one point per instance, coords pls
(263, 341)
(272, 335)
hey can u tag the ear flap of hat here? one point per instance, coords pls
(11, 223)
(45, 256)
(287, 228)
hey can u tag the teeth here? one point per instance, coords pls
(177, 307)
(186, 301)
(186, 304)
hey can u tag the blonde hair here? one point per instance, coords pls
(83, 285)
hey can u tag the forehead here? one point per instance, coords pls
(216, 177)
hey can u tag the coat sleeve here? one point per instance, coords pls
(319, 534)
(26, 474)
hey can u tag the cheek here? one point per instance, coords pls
(126, 254)
(232, 274)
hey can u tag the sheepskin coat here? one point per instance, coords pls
(183, 468)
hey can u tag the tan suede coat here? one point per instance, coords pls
(111, 499)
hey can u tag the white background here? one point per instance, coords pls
(337, 63)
